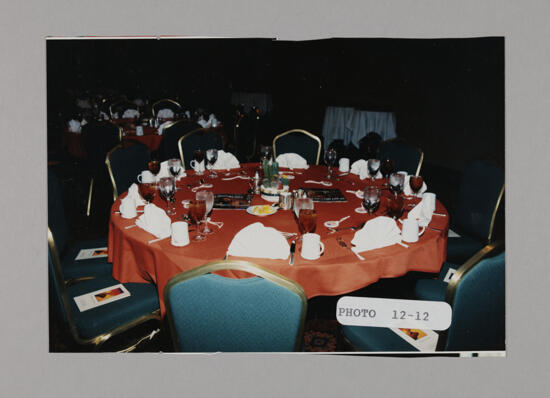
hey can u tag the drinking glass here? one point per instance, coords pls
(154, 166)
(330, 159)
(167, 190)
(416, 183)
(265, 151)
(147, 191)
(396, 183)
(386, 168)
(212, 157)
(395, 206)
(371, 199)
(373, 166)
(198, 155)
(174, 167)
(307, 221)
(197, 212)
(208, 197)
(302, 203)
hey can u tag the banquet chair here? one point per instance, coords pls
(166, 103)
(97, 325)
(369, 145)
(481, 192)
(171, 134)
(98, 139)
(120, 106)
(69, 248)
(406, 157)
(298, 141)
(476, 296)
(209, 313)
(198, 139)
(124, 162)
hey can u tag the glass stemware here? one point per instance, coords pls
(386, 168)
(212, 157)
(373, 166)
(330, 160)
(197, 212)
(167, 191)
(174, 167)
(198, 155)
(416, 182)
(154, 166)
(396, 182)
(265, 151)
(395, 206)
(147, 191)
(209, 199)
(371, 199)
(307, 221)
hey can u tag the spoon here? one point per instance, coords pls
(335, 224)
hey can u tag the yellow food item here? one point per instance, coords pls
(265, 209)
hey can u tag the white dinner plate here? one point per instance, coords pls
(257, 210)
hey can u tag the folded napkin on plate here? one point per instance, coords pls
(407, 187)
(292, 161)
(165, 114)
(133, 192)
(361, 168)
(203, 123)
(155, 221)
(422, 212)
(163, 126)
(74, 126)
(165, 171)
(258, 241)
(127, 207)
(226, 161)
(130, 114)
(376, 233)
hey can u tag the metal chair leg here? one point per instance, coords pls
(90, 197)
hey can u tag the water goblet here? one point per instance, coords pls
(212, 157)
(167, 190)
(147, 191)
(198, 156)
(373, 166)
(396, 182)
(371, 199)
(386, 168)
(208, 197)
(416, 182)
(197, 212)
(330, 160)
(307, 221)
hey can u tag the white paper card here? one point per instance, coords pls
(422, 340)
(85, 254)
(452, 234)
(100, 297)
(450, 273)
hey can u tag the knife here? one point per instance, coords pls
(292, 249)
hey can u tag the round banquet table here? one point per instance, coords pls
(337, 271)
(150, 138)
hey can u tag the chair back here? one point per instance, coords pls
(302, 142)
(198, 139)
(57, 220)
(166, 103)
(56, 281)
(124, 162)
(476, 294)
(98, 139)
(210, 313)
(170, 136)
(406, 157)
(481, 190)
(369, 146)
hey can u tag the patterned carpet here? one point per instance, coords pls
(322, 335)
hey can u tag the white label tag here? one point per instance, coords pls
(449, 275)
(393, 313)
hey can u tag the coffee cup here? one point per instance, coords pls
(128, 208)
(344, 165)
(411, 231)
(198, 167)
(139, 130)
(312, 247)
(429, 199)
(146, 177)
(180, 233)
(404, 174)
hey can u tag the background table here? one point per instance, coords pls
(338, 271)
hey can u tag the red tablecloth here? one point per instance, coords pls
(338, 271)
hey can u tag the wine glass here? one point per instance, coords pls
(416, 183)
(198, 155)
(212, 157)
(174, 167)
(373, 166)
(167, 190)
(396, 181)
(154, 166)
(330, 159)
(386, 168)
(302, 203)
(395, 206)
(147, 191)
(371, 199)
(265, 151)
(209, 199)
(197, 212)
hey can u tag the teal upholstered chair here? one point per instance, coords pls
(97, 325)
(68, 247)
(198, 139)
(406, 157)
(171, 135)
(476, 294)
(124, 163)
(166, 103)
(302, 142)
(481, 191)
(210, 313)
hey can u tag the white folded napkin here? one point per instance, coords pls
(83, 122)
(127, 206)
(376, 233)
(155, 221)
(74, 126)
(203, 123)
(226, 161)
(133, 192)
(165, 172)
(115, 115)
(407, 187)
(258, 241)
(188, 114)
(422, 212)
(360, 167)
(165, 114)
(292, 161)
(103, 116)
(212, 121)
(162, 126)
(130, 114)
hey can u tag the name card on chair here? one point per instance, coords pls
(101, 297)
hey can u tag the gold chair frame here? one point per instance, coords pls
(154, 106)
(238, 265)
(311, 135)
(110, 170)
(102, 338)
(420, 161)
(494, 216)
